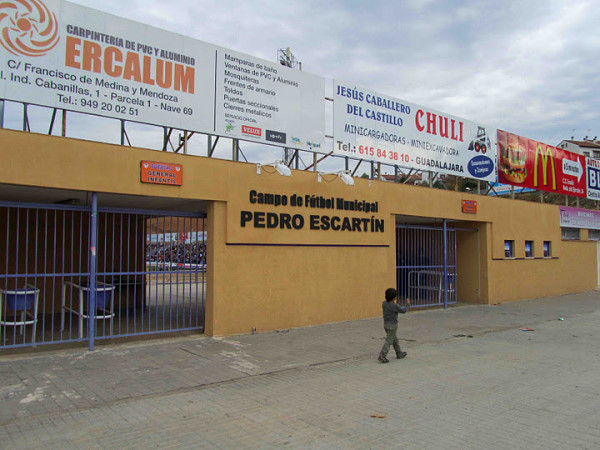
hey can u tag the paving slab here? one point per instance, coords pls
(469, 367)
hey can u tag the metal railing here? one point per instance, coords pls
(30, 115)
(426, 264)
(99, 273)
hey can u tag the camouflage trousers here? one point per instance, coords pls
(391, 339)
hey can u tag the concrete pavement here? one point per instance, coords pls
(472, 379)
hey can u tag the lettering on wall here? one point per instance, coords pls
(333, 216)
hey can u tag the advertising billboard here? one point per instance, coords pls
(503, 189)
(579, 218)
(62, 55)
(269, 103)
(376, 127)
(593, 178)
(66, 56)
(523, 162)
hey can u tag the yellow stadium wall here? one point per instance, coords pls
(279, 278)
(575, 271)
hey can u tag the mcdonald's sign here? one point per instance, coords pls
(526, 163)
(547, 164)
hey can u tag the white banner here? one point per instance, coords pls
(265, 102)
(67, 56)
(62, 55)
(376, 127)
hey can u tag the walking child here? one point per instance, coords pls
(390, 324)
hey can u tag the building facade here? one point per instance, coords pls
(280, 252)
(585, 147)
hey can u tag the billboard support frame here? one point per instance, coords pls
(26, 126)
(212, 150)
(123, 132)
(357, 166)
(52, 121)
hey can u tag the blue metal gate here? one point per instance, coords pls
(80, 273)
(426, 264)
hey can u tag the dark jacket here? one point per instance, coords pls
(391, 310)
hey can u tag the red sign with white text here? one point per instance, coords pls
(469, 206)
(254, 131)
(161, 173)
(527, 163)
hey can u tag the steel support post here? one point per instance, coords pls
(234, 150)
(445, 243)
(25, 118)
(92, 285)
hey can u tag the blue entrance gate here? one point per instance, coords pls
(81, 273)
(426, 264)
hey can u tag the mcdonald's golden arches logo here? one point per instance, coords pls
(27, 27)
(548, 163)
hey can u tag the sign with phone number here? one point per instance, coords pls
(61, 55)
(372, 126)
(79, 59)
(373, 152)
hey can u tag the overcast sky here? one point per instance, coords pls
(529, 67)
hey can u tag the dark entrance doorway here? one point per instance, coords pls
(426, 264)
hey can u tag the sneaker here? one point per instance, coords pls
(401, 355)
(383, 359)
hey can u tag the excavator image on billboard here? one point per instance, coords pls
(481, 143)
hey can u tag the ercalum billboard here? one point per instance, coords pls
(62, 55)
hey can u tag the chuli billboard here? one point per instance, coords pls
(376, 127)
(523, 162)
(62, 55)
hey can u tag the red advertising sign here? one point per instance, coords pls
(469, 206)
(527, 163)
(254, 131)
(161, 173)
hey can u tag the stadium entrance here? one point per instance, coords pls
(83, 269)
(426, 264)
